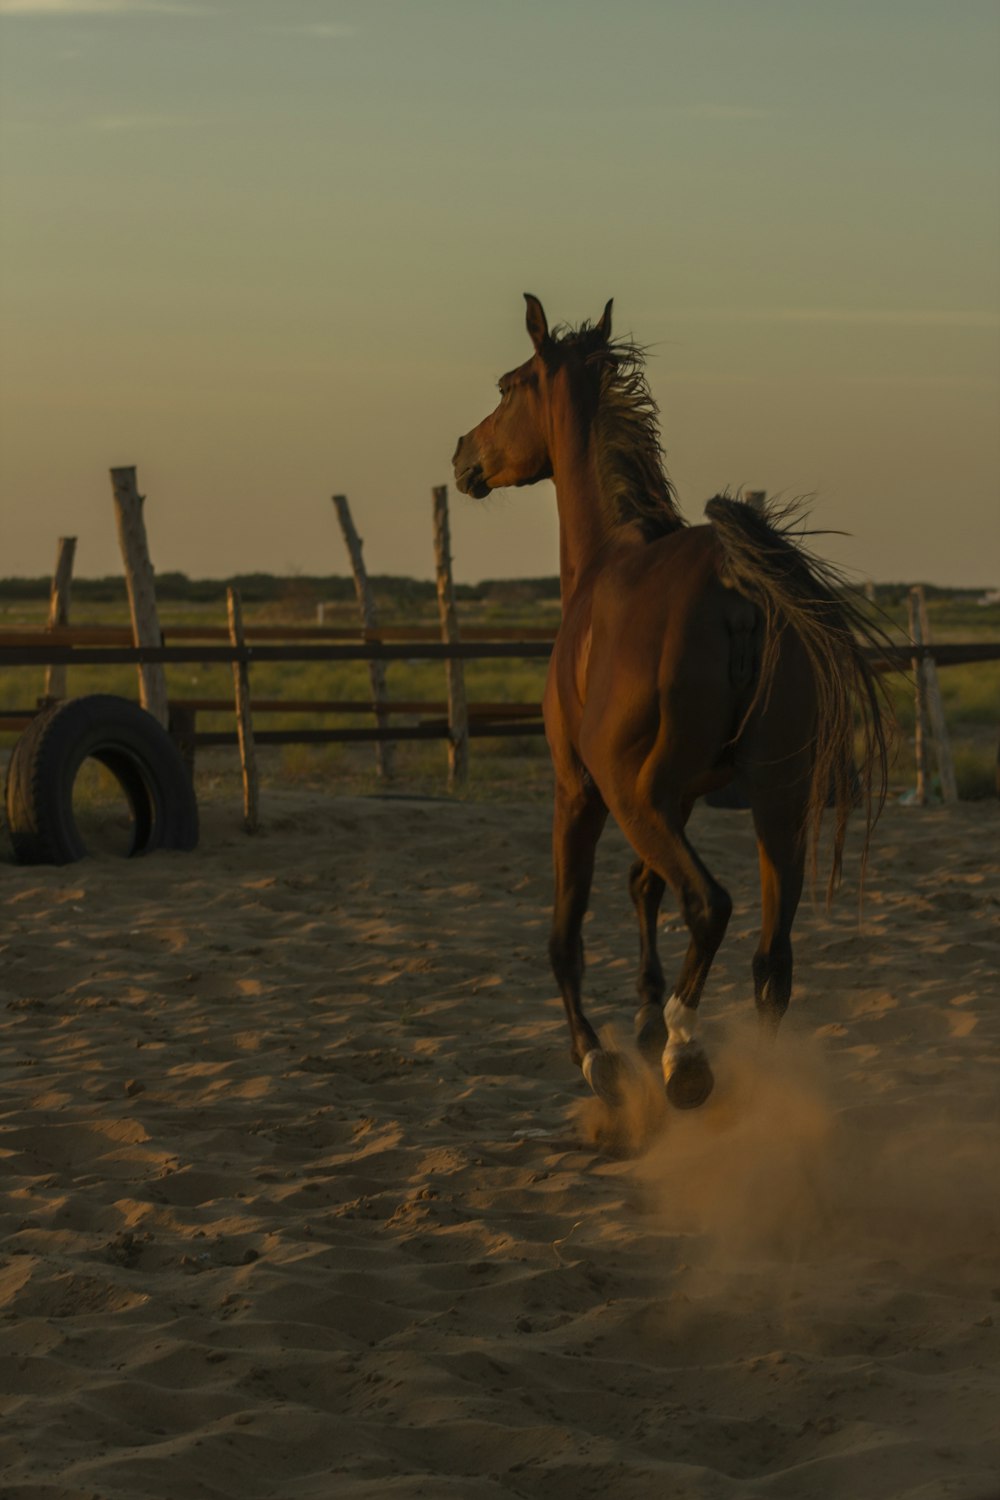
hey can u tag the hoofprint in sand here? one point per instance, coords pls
(300, 1194)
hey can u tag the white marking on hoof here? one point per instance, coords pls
(682, 1044)
(587, 1066)
(681, 1021)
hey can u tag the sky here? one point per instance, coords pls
(269, 250)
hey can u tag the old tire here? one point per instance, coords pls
(134, 748)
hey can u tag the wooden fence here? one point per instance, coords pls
(102, 645)
(108, 646)
(149, 648)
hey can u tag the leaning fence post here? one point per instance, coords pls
(935, 707)
(458, 713)
(244, 718)
(55, 676)
(384, 749)
(141, 588)
(919, 702)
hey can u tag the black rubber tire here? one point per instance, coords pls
(135, 749)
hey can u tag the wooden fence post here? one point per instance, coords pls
(244, 718)
(141, 588)
(458, 712)
(935, 708)
(384, 749)
(55, 676)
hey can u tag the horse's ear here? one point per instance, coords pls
(537, 324)
(604, 326)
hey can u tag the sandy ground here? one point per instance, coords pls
(301, 1196)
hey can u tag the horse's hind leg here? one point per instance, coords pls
(779, 821)
(657, 836)
(646, 889)
(578, 819)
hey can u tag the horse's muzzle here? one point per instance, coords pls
(469, 477)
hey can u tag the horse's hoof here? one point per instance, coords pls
(650, 1033)
(690, 1080)
(606, 1073)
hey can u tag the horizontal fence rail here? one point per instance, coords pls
(121, 635)
(91, 656)
(432, 731)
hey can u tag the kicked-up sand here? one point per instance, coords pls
(301, 1198)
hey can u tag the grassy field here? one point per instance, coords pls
(500, 769)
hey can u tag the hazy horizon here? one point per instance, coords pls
(268, 252)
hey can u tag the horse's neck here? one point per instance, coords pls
(583, 522)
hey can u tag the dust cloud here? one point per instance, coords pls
(774, 1168)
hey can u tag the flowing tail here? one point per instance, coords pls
(793, 588)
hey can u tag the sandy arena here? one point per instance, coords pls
(301, 1196)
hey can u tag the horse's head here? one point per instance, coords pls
(513, 445)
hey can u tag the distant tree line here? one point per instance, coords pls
(264, 588)
(397, 591)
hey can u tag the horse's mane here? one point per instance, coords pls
(634, 483)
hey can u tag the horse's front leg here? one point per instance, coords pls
(578, 820)
(646, 888)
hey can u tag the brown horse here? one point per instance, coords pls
(686, 655)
